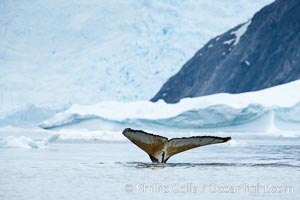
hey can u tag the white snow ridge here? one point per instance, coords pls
(269, 110)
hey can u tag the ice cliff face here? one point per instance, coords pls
(54, 54)
(258, 54)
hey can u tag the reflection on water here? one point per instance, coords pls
(188, 165)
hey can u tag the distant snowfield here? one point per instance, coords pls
(58, 54)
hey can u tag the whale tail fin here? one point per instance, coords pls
(178, 145)
(160, 149)
(152, 144)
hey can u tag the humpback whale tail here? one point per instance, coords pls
(160, 149)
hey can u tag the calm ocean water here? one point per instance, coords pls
(249, 168)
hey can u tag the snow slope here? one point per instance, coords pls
(57, 53)
(271, 110)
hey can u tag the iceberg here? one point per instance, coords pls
(24, 142)
(271, 110)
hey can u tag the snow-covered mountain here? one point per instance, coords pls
(55, 53)
(261, 53)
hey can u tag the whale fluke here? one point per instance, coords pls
(160, 148)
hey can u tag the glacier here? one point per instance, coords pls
(58, 54)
